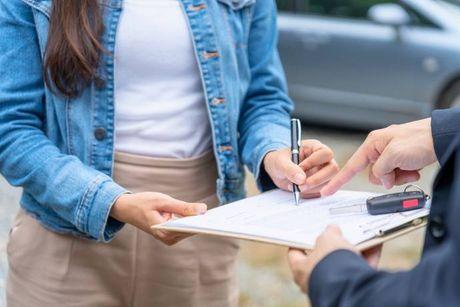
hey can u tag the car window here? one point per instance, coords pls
(349, 9)
(287, 6)
(418, 19)
(356, 9)
(453, 5)
(455, 2)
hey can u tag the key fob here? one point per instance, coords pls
(397, 202)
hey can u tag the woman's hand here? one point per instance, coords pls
(316, 168)
(144, 210)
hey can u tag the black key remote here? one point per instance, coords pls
(397, 202)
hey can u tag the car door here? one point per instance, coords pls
(337, 60)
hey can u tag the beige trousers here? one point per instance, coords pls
(134, 269)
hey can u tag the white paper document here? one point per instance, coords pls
(273, 217)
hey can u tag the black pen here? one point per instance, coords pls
(296, 131)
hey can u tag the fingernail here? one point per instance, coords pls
(304, 187)
(202, 208)
(299, 177)
(386, 184)
(325, 192)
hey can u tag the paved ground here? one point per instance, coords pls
(263, 272)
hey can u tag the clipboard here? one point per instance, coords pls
(272, 218)
(393, 234)
(377, 240)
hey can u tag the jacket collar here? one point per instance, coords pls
(44, 6)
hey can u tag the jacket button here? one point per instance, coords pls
(197, 8)
(210, 54)
(437, 228)
(224, 148)
(217, 101)
(99, 133)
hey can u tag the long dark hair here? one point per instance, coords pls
(74, 48)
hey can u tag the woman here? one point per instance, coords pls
(127, 112)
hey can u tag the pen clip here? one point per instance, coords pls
(299, 132)
(296, 132)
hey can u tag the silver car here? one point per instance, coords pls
(370, 63)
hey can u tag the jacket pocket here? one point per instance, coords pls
(35, 253)
(237, 4)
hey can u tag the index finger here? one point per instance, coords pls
(357, 163)
(183, 208)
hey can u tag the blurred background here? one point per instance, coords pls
(370, 63)
(352, 66)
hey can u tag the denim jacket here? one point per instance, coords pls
(61, 150)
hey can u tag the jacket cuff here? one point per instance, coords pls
(94, 209)
(263, 180)
(445, 125)
(329, 270)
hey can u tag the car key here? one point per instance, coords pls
(389, 203)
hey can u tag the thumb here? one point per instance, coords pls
(182, 208)
(333, 229)
(296, 256)
(388, 180)
(293, 172)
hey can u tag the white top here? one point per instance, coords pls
(160, 108)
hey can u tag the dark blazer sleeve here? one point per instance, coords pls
(344, 278)
(445, 125)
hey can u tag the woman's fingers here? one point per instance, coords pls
(317, 178)
(319, 165)
(147, 209)
(182, 208)
(167, 237)
(156, 218)
(314, 157)
(292, 171)
(309, 146)
(310, 195)
(171, 238)
(323, 175)
(167, 215)
(311, 192)
(319, 157)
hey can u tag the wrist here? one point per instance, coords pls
(121, 208)
(268, 161)
(428, 132)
